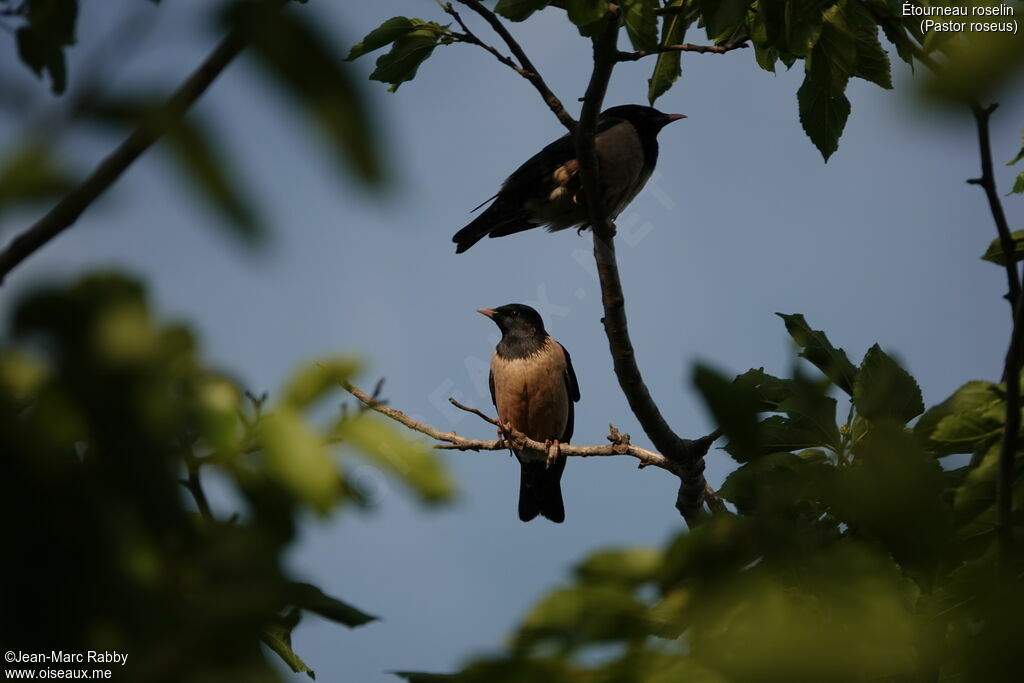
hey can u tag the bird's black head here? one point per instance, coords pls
(522, 330)
(644, 119)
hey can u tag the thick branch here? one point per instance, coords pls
(1012, 364)
(686, 456)
(528, 70)
(66, 212)
(619, 444)
(684, 47)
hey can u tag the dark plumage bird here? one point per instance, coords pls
(546, 190)
(533, 386)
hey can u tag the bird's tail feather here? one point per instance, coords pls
(493, 223)
(540, 491)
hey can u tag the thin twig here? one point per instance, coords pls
(528, 70)
(683, 47)
(467, 36)
(195, 487)
(66, 212)
(619, 444)
(1012, 364)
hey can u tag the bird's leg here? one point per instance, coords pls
(579, 230)
(554, 450)
(505, 436)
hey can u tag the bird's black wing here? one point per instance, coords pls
(490, 385)
(573, 388)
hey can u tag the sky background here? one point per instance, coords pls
(741, 220)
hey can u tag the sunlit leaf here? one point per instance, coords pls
(994, 253)
(406, 55)
(628, 566)
(972, 398)
(582, 614)
(313, 381)
(311, 598)
(297, 457)
(408, 460)
(278, 637)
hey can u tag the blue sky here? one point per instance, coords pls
(743, 219)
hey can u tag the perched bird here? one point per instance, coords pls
(546, 190)
(533, 386)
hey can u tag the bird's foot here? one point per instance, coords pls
(554, 450)
(579, 230)
(505, 434)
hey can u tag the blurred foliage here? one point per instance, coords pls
(105, 413)
(852, 554)
(836, 39)
(290, 48)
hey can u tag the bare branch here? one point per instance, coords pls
(1014, 355)
(467, 36)
(619, 444)
(66, 212)
(684, 47)
(528, 71)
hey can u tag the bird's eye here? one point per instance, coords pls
(515, 313)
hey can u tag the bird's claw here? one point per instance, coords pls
(554, 451)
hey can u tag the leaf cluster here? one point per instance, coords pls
(105, 412)
(853, 554)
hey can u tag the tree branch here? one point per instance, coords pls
(687, 456)
(528, 70)
(66, 212)
(684, 47)
(619, 444)
(1014, 356)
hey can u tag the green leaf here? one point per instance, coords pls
(778, 483)
(627, 566)
(385, 34)
(311, 598)
(519, 10)
(965, 430)
(586, 12)
(41, 42)
(421, 677)
(884, 390)
(972, 398)
(303, 61)
(811, 413)
(641, 23)
(278, 637)
(31, 174)
(823, 114)
(994, 253)
(872, 62)
(407, 53)
(734, 409)
(770, 391)
(202, 166)
(590, 613)
(721, 17)
(1020, 154)
(667, 69)
(413, 464)
(297, 457)
(1018, 184)
(817, 349)
(310, 383)
(893, 492)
